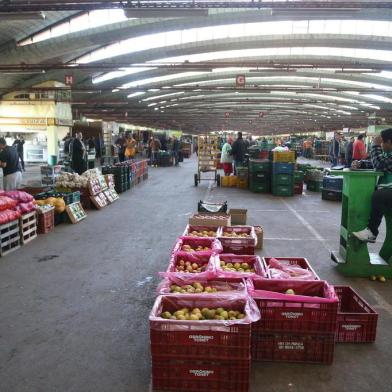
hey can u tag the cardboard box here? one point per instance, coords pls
(259, 234)
(238, 216)
(210, 219)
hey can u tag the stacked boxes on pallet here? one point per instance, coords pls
(242, 177)
(260, 175)
(332, 188)
(283, 178)
(298, 182)
(121, 177)
(49, 174)
(314, 180)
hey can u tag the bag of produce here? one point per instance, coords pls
(24, 208)
(278, 270)
(8, 216)
(20, 196)
(6, 203)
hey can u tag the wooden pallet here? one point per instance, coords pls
(28, 227)
(9, 237)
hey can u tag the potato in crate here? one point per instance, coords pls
(357, 320)
(289, 268)
(202, 327)
(294, 306)
(239, 266)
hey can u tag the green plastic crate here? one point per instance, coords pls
(314, 186)
(258, 165)
(298, 177)
(264, 187)
(260, 177)
(283, 179)
(283, 190)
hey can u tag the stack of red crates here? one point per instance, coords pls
(294, 328)
(208, 355)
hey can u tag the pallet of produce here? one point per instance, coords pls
(99, 200)
(200, 231)
(28, 227)
(289, 268)
(202, 327)
(239, 266)
(75, 212)
(9, 236)
(45, 219)
(357, 320)
(294, 306)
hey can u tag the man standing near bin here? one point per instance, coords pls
(238, 149)
(9, 161)
(79, 163)
(19, 144)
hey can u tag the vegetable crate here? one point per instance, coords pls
(9, 237)
(45, 221)
(293, 347)
(300, 261)
(28, 227)
(190, 375)
(283, 156)
(211, 340)
(357, 320)
(237, 245)
(313, 308)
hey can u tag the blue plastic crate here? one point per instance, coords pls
(283, 168)
(333, 183)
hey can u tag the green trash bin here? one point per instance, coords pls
(52, 160)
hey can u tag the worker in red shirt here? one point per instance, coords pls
(359, 149)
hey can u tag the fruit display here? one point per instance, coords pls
(236, 267)
(188, 248)
(197, 314)
(203, 233)
(189, 267)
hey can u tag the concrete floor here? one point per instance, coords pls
(74, 304)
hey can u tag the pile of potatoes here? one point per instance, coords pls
(194, 288)
(236, 267)
(203, 314)
(204, 233)
(233, 234)
(188, 267)
(188, 248)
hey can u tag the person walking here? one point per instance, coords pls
(120, 143)
(359, 149)
(130, 147)
(19, 144)
(155, 146)
(175, 150)
(334, 149)
(9, 162)
(79, 164)
(226, 157)
(349, 151)
(238, 149)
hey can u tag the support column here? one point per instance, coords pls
(53, 145)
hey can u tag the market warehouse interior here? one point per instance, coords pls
(196, 196)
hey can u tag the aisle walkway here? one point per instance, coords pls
(74, 304)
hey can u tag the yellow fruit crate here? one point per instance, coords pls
(233, 180)
(284, 156)
(225, 181)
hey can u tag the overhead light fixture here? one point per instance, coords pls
(164, 13)
(305, 13)
(358, 71)
(22, 16)
(274, 70)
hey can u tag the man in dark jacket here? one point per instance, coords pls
(79, 163)
(175, 150)
(334, 149)
(349, 152)
(19, 143)
(238, 150)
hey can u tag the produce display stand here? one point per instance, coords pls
(208, 150)
(28, 227)
(9, 237)
(353, 258)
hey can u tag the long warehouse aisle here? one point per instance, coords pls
(75, 303)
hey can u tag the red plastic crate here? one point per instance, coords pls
(213, 244)
(45, 222)
(238, 241)
(312, 310)
(204, 340)
(298, 188)
(200, 376)
(357, 320)
(194, 257)
(293, 347)
(300, 261)
(190, 228)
